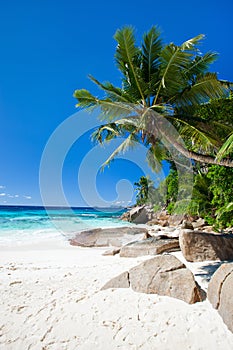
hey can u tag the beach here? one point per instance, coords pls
(51, 300)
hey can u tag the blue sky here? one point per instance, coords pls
(47, 50)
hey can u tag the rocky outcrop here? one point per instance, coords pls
(137, 215)
(187, 225)
(145, 214)
(220, 293)
(150, 246)
(201, 246)
(197, 224)
(175, 220)
(163, 275)
(116, 237)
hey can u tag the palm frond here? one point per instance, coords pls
(111, 110)
(171, 79)
(105, 133)
(198, 136)
(129, 143)
(154, 157)
(151, 47)
(127, 56)
(200, 64)
(85, 99)
(226, 148)
(190, 44)
(115, 93)
(197, 139)
(205, 88)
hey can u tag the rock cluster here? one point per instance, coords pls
(144, 214)
(201, 246)
(163, 275)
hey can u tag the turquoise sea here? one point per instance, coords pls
(21, 224)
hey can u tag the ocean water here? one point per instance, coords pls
(21, 225)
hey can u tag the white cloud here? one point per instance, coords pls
(16, 195)
(2, 194)
(2, 186)
(10, 195)
(27, 197)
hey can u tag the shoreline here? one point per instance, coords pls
(51, 300)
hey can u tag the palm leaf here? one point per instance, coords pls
(174, 59)
(226, 148)
(151, 47)
(111, 110)
(130, 142)
(190, 44)
(205, 88)
(197, 138)
(116, 94)
(200, 64)
(85, 99)
(105, 133)
(126, 57)
(196, 131)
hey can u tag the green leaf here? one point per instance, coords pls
(85, 99)
(151, 48)
(130, 142)
(127, 56)
(226, 148)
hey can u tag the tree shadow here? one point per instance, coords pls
(207, 271)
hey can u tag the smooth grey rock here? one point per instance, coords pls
(201, 246)
(187, 225)
(115, 237)
(139, 215)
(199, 223)
(175, 220)
(120, 281)
(165, 275)
(220, 293)
(150, 246)
(111, 252)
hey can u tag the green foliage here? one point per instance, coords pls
(144, 189)
(172, 80)
(222, 192)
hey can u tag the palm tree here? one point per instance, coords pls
(162, 85)
(145, 189)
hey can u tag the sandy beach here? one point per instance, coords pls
(51, 300)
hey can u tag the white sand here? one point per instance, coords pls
(50, 300)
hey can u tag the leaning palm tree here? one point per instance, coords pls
(162, 86)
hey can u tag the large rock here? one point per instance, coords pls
(220, 293)
(150, 246)
(201, 246)
(175, 219)
(199, 223)
(116, 237)
(120, 281)
(163, 275)
(137, 215)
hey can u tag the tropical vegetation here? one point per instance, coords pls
(162, 85)
(169, 100)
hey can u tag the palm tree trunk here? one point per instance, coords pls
(161, 128)
(201, 157)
